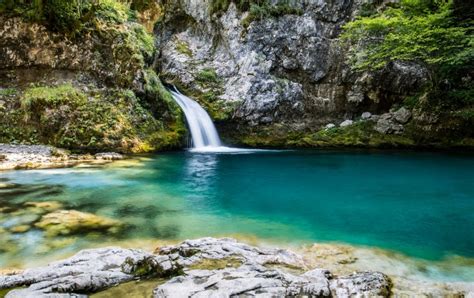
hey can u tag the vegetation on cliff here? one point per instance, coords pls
(113, 100)
(436, 34)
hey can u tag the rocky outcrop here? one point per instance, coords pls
(89, 90)
(87, 271)
(40, 157)
(286, 69)
(257, 275)
(259, 272)
(106, 55)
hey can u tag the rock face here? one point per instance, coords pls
(87, 271)
(392, 122)
(256, 277)
(259, 272)
(288, 69)
(106, 96)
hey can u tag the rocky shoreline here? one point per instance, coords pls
(206, 267)
(224, 267)
(42, 157)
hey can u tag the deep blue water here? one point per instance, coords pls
(420, 204)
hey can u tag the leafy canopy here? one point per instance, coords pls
(414, 30)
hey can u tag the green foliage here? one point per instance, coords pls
(416, 30)
(207, 77)
(183, 48)
(7, 91)
(50, 96)
(258, 9)
(264, 9)
(69, 16)
(69, 117)
(141, 5)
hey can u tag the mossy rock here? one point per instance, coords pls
(216, 264)
(93, 119)
(69, 222)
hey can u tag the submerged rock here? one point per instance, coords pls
(67, 222)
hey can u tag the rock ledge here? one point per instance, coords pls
(206, 267)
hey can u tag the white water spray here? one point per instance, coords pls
(203, 132)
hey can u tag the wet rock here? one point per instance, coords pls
(21, 219)
(402, 115)
(109, 156)
(43, 207)
(88, 271)
(67, 222)
(20, 229)
(346, 123)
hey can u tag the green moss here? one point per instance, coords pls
(111, 11)
(359, 134)
(136, 288)
(7, 91)
(207, 77)
(66, 116)
(183, 48)
(264, 9)
(217, 264)
(218, 109)
(4, 292)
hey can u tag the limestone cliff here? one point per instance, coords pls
(280, 78)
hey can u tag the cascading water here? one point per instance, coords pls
(203, 132)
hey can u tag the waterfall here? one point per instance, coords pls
(203, 132)
(205, 138)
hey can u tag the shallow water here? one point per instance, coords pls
(418, 204)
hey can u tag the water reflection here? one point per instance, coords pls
(200, 173)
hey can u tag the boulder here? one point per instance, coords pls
(402, 115)
(346, 123)
(366, 115)
(387, 125)
(67, 222)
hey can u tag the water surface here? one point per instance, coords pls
(418, 204)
